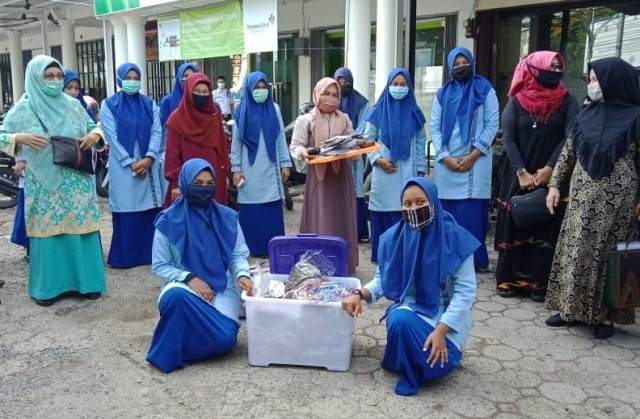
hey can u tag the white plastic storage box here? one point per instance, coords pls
(298, 332)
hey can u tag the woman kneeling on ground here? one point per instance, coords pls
(200, 253)
(426, 268)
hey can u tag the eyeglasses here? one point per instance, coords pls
(52, 76)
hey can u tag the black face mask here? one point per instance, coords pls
(548, 78)
(462, 73)
(346, 89)
(201, 100)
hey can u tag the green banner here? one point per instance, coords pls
(105, 7)
(213, 32)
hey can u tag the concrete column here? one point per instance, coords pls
(17, 68)
(358, 33)
(386, 42)
(46, 49)
(107, 29)
(137, 47)
(120, 41)
(69, 53)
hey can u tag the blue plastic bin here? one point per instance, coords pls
(285, 251)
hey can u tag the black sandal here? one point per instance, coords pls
(506, 292)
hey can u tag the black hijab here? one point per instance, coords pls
(605, 129)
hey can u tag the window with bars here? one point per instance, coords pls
(160, 78)
(5, 79)
(91, 68)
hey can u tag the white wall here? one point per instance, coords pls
(33, 40)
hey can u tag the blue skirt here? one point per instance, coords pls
(189, 330)
(19, 233)
(381, 221)
(260, 223)
(132, 239)
(362, 212)
(406, 335)
(473, 215)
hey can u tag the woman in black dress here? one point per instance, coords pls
(534, 123)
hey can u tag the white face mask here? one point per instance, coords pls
(594, 92)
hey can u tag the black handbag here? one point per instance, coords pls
(530, 209)
(67, 152)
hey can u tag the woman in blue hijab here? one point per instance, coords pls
(170, 102)
(73, 88)
(200, 254)
(426, 269)
(354, 104)
(397, 123)
(260, 162)
(131, 122)
(464, 121)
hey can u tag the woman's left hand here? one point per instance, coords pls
(542, 176)
(141, 167)
(89, 141)
(466, 162)
(638, 211)
(437, 341)
(285, 173)
(246, 284)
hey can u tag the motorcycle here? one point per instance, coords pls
(9, 182)
(232, 194)
(299, 169)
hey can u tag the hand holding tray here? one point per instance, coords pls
(341, 147)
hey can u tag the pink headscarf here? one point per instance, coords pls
(327, 120)
(325, 125)
(534, 97)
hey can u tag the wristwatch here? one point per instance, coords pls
(358, 292)
(521, 172)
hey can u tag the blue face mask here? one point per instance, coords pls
(200, 195)
(398, 92)
(52, 88)
(131, 87)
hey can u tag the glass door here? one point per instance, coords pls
(281, 69)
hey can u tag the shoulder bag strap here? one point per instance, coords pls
(44, 127)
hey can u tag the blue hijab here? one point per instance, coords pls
(397, 120)
(133, 114)
(252, 117)
(429, 255)
(171, 101)
(204, 237)
(70, 76)
(351, 105)
(459, 100)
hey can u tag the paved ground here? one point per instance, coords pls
(82, 359)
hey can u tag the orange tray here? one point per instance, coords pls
(341, 156)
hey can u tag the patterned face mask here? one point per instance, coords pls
(419, 218)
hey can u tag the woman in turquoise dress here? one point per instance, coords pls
(61, 209)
